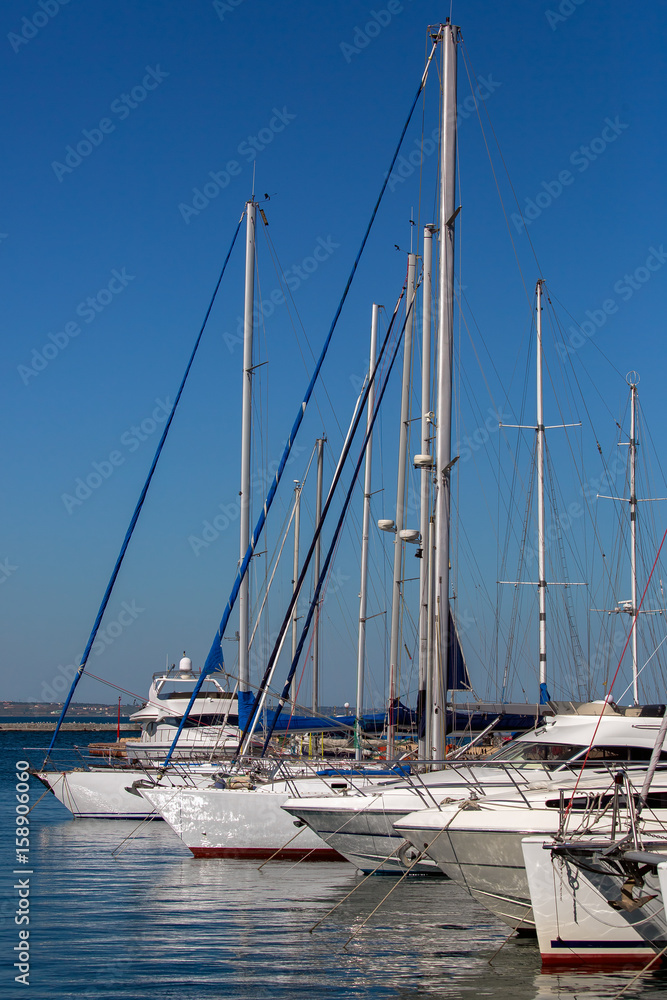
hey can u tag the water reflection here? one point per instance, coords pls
(149, 920)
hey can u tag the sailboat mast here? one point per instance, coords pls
(541, 556)
(246, 416)
(295, 581)
(449, 35)
(425, 500)
(316, 575)
(633, 537)
(400, 504)
(361, 645)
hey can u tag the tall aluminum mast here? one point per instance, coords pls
(425, 463)
(541, 543)
(400, 503)
(449, 35)
(297, 528)
(246, 416)
(316, 576)
(631, 607)
(540, 429)
(633, 537)
(361, 646)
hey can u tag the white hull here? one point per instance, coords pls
(243, 823)
(478, 844)
(103, 793)
(488, 863)
(361, 828)
(576, 925)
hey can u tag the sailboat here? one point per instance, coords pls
(479, 844)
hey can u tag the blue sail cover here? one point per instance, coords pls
(545, 697)
(462, 721)
(294, 723)
(403, 717)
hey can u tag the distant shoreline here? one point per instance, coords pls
(32, 725)
(40, 711)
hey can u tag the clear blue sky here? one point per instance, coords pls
(159, 96)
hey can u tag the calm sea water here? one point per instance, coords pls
(121, 912)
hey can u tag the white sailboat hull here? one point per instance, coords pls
(108, 793)
(575, 923)
(243, 823)
(488, 862)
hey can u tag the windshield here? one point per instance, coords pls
(530, 754)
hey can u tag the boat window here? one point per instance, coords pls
(530, 754)
(582, 802)
(165, 695)
(655, 800)
(637, 754)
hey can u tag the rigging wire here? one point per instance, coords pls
(346, 504)
(140, 502)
